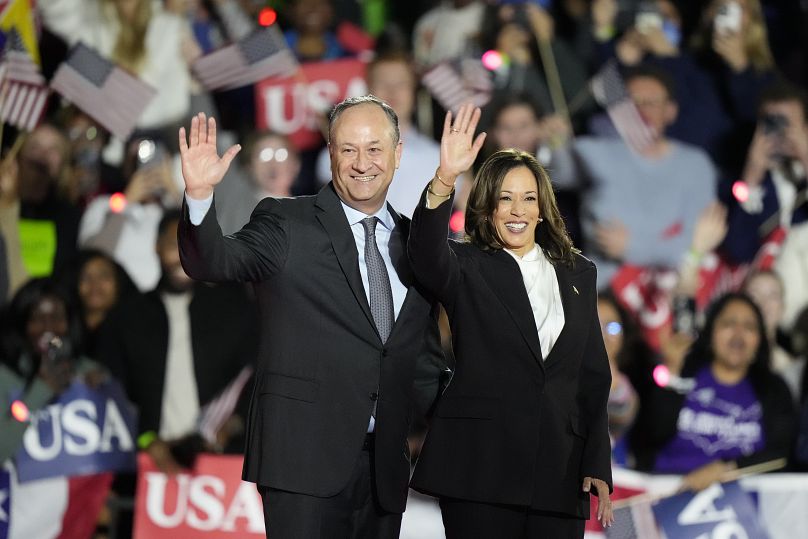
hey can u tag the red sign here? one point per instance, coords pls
(210, 501)
(297, 106)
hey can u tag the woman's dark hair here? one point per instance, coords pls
(635, 353)
(701, 352)
(124, 283)
(799, 340)
(18, 313)
(551, 234)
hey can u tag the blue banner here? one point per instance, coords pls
(721, 511)
(85, 431)
(5, 502)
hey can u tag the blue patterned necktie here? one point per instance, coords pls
(381, 295)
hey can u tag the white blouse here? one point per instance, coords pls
(541, 284)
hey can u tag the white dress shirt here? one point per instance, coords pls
(180, 395)
(541, 284)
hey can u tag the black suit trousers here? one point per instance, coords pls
(463, 519)
(353, 513)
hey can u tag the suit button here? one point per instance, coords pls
(373, 395)
(385, 353)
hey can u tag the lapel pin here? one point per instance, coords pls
(575, 290)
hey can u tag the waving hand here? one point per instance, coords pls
(458, 147)
(202, 168)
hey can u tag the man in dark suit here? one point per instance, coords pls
(345, 330)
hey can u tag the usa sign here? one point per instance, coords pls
(297, 106)
(209, 501)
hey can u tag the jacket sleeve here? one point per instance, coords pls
(254, 253)
(35, 396)
(594, 382)
(432, 371)
(434, 263)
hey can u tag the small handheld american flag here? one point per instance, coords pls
(454, 83)
(23, 90)
(103, 90)
(261, 55)
(610, 93)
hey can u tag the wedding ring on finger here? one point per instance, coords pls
(454, 130)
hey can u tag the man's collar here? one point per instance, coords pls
(355, 216)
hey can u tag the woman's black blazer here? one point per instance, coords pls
(512, 427)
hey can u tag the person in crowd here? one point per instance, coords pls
(800, 340)
(517, 122)
(311, 37)
(519, 31)
(655, 36)
(639, 207)
(520, 436)
(87, 140)
(343, 356)
(765, 287)
(272, 165)
(619, 335)
(391, 77)
(726, 409)
(731, 43)
(200, 338)
(125, 227)
(140, 36)
(100, 284)
(41, 337)
(38, 223)
(775, 182)
(447, 31)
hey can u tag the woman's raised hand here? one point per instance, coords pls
(458, 146)
(202, 168)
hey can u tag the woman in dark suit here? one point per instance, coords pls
(520, 436)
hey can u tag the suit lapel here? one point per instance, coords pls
(401, 263)
(505, 280)
(570, 286)
(335, 223)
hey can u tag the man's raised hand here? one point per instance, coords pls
(202, 168)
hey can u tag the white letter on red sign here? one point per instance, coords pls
(155, 499)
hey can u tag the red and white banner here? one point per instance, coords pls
(209, 501)
(298, 106)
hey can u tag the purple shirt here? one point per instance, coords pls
(716, 422)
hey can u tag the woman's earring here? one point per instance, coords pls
(541, 219)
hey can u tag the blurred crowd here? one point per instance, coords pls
(700, 233)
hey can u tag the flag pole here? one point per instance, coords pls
(553, 78)
(732, 475)
(3, 92)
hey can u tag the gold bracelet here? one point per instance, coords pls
(443, 182)
(433, 193)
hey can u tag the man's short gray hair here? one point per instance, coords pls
(341, 107)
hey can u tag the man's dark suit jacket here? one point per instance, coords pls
(321, 365)
(512, 428)
(133, 344)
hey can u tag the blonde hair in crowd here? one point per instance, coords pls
(756, 37)
(130, 47)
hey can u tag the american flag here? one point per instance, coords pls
(23, 90)
(110, 95)
(610, 93)
(453, 85)
(635, 521)
(261, 55)
(214, 415)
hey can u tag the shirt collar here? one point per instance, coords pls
(355, 216)
(531, 256)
